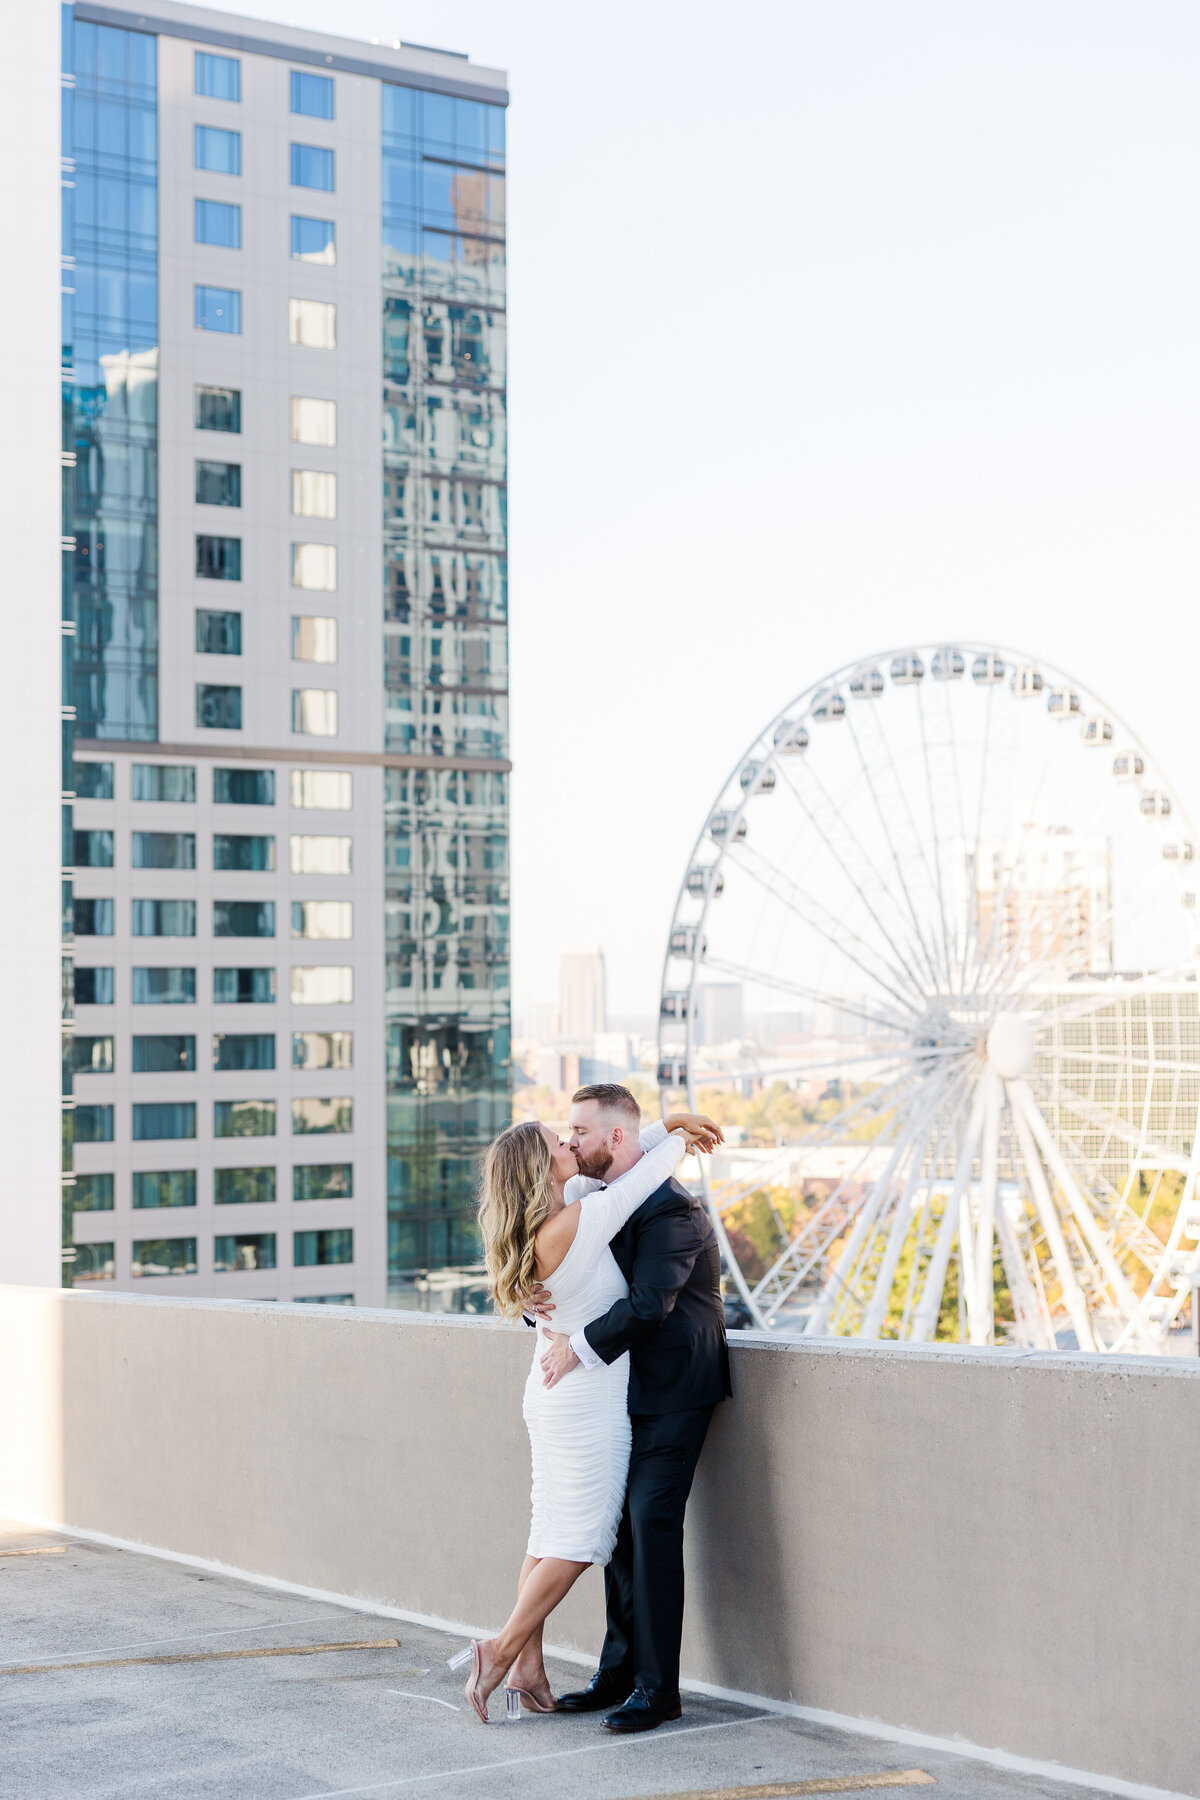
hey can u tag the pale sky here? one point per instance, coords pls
(833, 328)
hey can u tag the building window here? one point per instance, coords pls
(93, 849)
(218, 309)
(311, 1249)
(164, 1256)
(327, 984)
(92, 1055)
(244, 787)
(164, 1055)
(314, 421)
(312, 94)
(164, 987)
(218, 633)
(164, 849)
(314, 566)
(217, 150)
(244, 1187)
(92, 1193)
(218, 708)
(314, 712)
(94, 1262)
(94, 781)
(93, 918)
(322, 918)
(218, 409)
(163, 1119)
(164, 918)
(237, 1255)
(244, 987)
(93, 1124)
(164, 1187)
(321, 790)
(218, 483)
(312, 167)
(313, 240)
(243, 918)
(93, 987)
(253, 854)
(218, 77)
(243, 1118)
(219, 223)
(324, 1300)
(312, 1117)
(320, 855)
(218, 558)
(322, 1049)
(243, 1050)
(164, 781)
(314, 640)
(312, 324)
(314, 494)
(323, 1181)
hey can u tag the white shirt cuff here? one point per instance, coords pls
(584, 1351)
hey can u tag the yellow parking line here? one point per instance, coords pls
(39, 1550)
(828, 1784)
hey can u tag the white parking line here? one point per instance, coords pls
(402, 1694)
(513, 1762)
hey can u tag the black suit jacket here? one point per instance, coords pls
(673, 1322)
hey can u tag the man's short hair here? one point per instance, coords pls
(610, 1097)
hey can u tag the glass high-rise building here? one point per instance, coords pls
(285, 601)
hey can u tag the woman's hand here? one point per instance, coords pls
(702, 1133)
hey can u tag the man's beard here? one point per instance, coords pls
(595, 1166)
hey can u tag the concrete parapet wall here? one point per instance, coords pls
(992, 1546)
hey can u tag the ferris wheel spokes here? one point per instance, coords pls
(883, 771)
(834, 931)
(929, 1307)
(872, 890)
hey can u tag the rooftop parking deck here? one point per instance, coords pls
(123, 1674)
(894, 1554)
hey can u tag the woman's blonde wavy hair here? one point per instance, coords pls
(517, 1196)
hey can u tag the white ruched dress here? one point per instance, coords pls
(579, 1431)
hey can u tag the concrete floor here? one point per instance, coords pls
(378, 1722)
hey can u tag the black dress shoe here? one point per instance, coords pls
(601, 1691)
(645, 1709)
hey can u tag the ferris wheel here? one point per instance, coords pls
(937, 940)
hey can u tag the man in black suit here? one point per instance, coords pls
(673, 1326)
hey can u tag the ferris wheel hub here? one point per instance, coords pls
(1010, 1046)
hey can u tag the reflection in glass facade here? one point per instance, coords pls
(446, 677)
(110, 375)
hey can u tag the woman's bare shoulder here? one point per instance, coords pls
(554, 1237)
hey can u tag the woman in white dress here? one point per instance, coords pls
(541, 1218)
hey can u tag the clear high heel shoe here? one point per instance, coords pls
(525, 1697)
(472, 1654)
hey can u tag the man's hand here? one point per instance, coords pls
(540, 1303)
(558, 1358)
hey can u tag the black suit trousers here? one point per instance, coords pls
(643, 1584)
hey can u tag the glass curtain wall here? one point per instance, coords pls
(110, 223)
(446, 675)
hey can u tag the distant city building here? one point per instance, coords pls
(719, 1012)
(1049, 898)
(582, 1010)
(611, 1058)
(284, 569)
